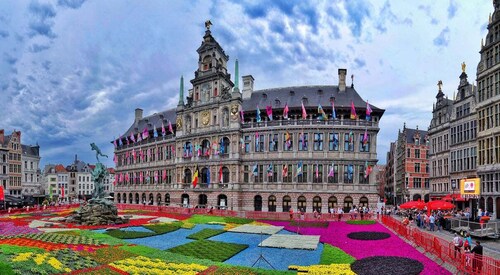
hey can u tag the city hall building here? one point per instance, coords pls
(307, 148)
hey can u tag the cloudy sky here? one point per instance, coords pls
(73, 71)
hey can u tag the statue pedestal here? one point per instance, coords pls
(97, 212)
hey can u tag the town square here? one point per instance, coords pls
(249, 137)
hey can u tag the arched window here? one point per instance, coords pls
(332, 203)
(202, 200)
(187, 176)
(158, 199)
(225, 175)
(205, 175)
(224, 146)
(207, 63)
(302, 204)
(137, 198)
(347, 204)
(130, 198)
(222, 201)
(317, 204)
(287, 203)
(167, 199)
(257, 203)
(185, 200)
(151, 199)
(363, 202)
(143, 198)
(119, 198)
(271, 203)
(205, 148)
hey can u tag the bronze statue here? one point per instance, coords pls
(97, 151)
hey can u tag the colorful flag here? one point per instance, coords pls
(365, 137)
(155, 132)
(257, 145)
(208, 176)
(332, 171)
(303, 139)
(242, 116)
(127, 177)
(288, 142)
(285, 111)
(195, 177)
(145, 133)
(304, 113)
(170, 128)
(299, 168)
(270, 170)
(163, 131)
(221, 178)
(258, 114)
(284, 173)
(128, 142)
(334, 115)
(321, 112)
(62, 191)
(139, 139)
(115, 159)
(2, 193)
(222, 147)
(141, 177)
(133, 153)
(269, 110)
(368, 111)
(132, 137)
(164, 176)
(353, 110)
(317, 170)
(215, 147)
(120, 142)
(255, 170)
(368, 169)
(116, 144)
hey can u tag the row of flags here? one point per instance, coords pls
(142, 154)
(144, 135)
(299, 171)
(321, 112)
(215, 148)
(142, 176)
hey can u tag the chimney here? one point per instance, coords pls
(247, 86)
(138, 115)
(2, 137)
(342, 74)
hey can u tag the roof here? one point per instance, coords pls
(60, 169)
(410, 133)
(111, 170)
(31, 150)
(151, 121)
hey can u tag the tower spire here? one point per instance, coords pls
(181, 92)
(236, 76)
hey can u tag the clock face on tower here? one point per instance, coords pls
(205, 92)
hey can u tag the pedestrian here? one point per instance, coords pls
(432, 220)
(458, 243)
(340, 213)
(291, 214)
(477, 261)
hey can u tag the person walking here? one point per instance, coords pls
(458, 243)
(477, 261)
(432, 220)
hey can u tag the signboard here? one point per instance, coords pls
(470, 188)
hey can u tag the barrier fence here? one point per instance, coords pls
(39, 208)
(444, 250)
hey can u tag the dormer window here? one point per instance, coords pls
(304, 100)
(292, 93)
(264, 95)
(277, 102)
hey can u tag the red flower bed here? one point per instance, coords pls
(50, 246)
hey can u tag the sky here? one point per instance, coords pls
(72, 72)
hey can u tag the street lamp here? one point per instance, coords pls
(453, 186)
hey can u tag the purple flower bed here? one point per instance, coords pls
(336, 235)
(9, 228)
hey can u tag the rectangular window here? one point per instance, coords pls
(333, 141)
(303, 141)
(417, 183)
(335, 178)
(348, 142)
(361, 174)
(272, 176)
(417, 167)
(303, 177)
(247, 144)
(408, 152)
(417, 153)
(287, 142)
(318, 141)
(318, 173)
(364, 143)
(245, 174)
(289, 175)
(348, 173)
(273, 142)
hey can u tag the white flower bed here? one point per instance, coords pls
(291, 242)
(162, 219)
(257, 229)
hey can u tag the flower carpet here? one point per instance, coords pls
(198, 244)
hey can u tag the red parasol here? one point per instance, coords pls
(413, 204)
(439, 205)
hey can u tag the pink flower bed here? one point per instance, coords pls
(9, 228)
(336, 235)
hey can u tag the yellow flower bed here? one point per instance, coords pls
(341, 269)
(145, 265)
(40, 259)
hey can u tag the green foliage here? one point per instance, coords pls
(197, 219)
(117, 233)
(61, 238)
(205, 234)
(362, 222)
(204, 249)
(335, 255)
(165, 255)
(14, 249)
(6, 269)
(237, 220)
(72, 259)
(162, 228)
(102, 237)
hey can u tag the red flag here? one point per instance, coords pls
(195, 178)
(62, 192)
(285, 111)
(285, 170)
(163, 131)
(170, 129)
(164, 174)
(304, 113)
(353, 111)
(269, 111)
(2, 195)
(221, 179)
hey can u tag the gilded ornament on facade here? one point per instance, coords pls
(179, 122)
(205, 117)
(234, 111)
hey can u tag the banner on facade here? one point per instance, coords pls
(470, 188)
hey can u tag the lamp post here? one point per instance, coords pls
(453, 186)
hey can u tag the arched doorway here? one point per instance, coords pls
(130, 198)
(332, 204)
(489, 205)
(167, 199)
(202, 200)
(257, 203)
(222, 201)
(426, 198)
(185, 200)
(302, 204)
(151, 199)
(363, 202)
(287, 203)
(317, 204)
(143, 198)
(119, 198)
(347, 204)
(136, 198)
(271, 203)
(417, 197)
(158, 199)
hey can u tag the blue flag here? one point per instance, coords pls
(299, 168)
(258, 115)
(208, 175)
(255, 170)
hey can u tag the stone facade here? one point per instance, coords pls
(246, 158)
(30, 170)
(12, 143)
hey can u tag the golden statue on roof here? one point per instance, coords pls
(463, 67)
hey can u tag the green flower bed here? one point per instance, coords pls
(204, 249)
(237, 220)
(107, 255)
(5, 268)
(205, 234)
(117, 233)
(165, 255)
(361, 222)
(61, 238)
(202, 219)
(162, 228)
(102, 237)
(14, 249)
(335, 255)
(73, 260)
